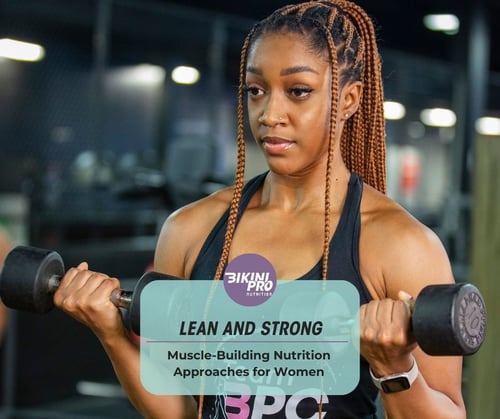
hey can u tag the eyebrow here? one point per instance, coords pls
(297, 69)
(285, 71)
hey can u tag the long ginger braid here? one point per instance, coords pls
(366, 128)
(333, 127)
(240, 168)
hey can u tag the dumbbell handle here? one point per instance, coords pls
(119, 298)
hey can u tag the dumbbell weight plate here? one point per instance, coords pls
(133, 315)
(33, 270)
(134, 309)
(449, 319)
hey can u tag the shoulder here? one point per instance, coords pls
(202, 211)
(185, 230)
(380, 214)
(405, 253)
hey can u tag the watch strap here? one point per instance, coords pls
(410, 376)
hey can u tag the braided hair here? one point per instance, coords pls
(343, 31)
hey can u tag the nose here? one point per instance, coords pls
(272, 113)
(271, 120)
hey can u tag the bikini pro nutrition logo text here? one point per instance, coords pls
(250, 279)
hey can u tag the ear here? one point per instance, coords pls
(350, 97)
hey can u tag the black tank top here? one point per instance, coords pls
(343, 263)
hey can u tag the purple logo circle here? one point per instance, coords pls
(250, 279)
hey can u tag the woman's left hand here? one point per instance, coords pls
(386, 341)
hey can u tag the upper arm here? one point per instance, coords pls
(170, 252)
(184, 232)
(398, 253)
(415, 259)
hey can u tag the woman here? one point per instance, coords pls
(311, 74)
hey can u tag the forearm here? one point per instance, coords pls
(85, 295)
(396, 362)
(125, 358)
(421, 401)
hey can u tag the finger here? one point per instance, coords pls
(408, 300)
(86, 291)
(385, 312)
(105, 290)
(83, 266)
(71, 274)
(87, 282)
(74, 275)
(402, 322)
(370, 325)
(370, 310)
(66, 281)
(400, 313)
(77, 284)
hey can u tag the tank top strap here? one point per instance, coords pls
(344, 246)
(208, 258)
(347, 231)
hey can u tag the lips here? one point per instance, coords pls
(276, 145)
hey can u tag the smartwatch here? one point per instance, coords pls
(396, 382)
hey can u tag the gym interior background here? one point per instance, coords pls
(99, 145)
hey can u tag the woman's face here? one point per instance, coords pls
(289, 97)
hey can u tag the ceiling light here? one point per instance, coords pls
(438, 117)
(394, 110)
(21, 51)
(185, 75)
(446, 23)
(147, 74)
(488, 126)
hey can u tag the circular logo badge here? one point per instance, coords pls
(250, 279)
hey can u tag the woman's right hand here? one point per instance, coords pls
(85, 296)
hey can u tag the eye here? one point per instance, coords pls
(253, 90)
(300, 92)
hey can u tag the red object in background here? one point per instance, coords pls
(410, 173)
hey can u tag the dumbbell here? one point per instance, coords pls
(449, 319)
(446, 319)
(30, 277)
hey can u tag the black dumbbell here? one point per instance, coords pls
(446, 319)
(449, 319)
(30, 276)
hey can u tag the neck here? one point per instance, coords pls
(294, 193)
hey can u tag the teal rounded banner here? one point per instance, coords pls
(196, 340)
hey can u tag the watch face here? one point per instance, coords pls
(393, 385)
